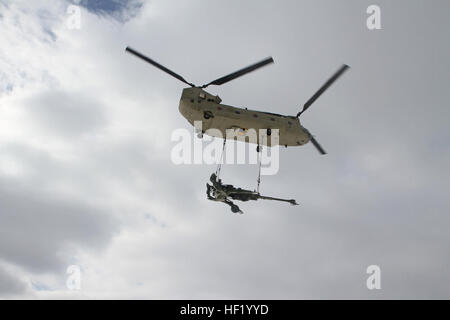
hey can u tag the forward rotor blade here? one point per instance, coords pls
(317, 145)
(323, 88)
(157, 65)
(239, 73)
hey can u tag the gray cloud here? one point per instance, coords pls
(64, 113)
(120, 10)
(9, 285)
(39, 232)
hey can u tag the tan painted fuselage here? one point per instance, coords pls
(198, 105)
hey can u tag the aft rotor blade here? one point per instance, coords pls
(239, 73)
(323, 88)
(157, 65)
(317, 145)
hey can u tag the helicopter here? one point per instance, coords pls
(196, 104)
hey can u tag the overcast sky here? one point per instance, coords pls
(85, 171)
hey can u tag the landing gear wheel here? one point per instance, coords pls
(235, 209)
(200, 135)
(269, 131)
(258, 149)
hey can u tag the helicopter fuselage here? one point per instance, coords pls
(198, 105)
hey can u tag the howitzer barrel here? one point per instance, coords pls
(291, 201)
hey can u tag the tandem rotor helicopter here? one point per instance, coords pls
(196, 104)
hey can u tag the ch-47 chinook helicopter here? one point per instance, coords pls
(198, 105)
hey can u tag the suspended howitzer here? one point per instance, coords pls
(223, 192)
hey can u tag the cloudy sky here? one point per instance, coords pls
(85, 171)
